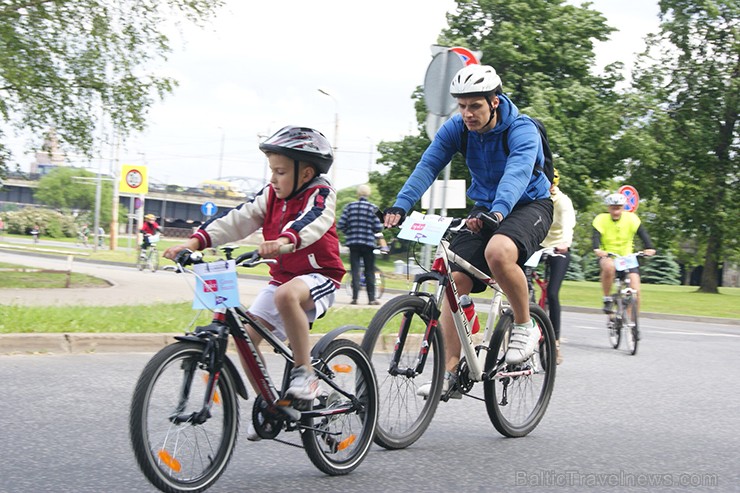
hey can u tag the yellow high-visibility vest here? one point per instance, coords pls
(617, 236)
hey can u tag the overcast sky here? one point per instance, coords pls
(259, 66)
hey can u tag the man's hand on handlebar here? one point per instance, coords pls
(479, 220)
(393, 217)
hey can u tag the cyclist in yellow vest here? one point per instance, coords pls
(614, 232)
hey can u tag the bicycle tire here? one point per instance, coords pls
(629, 316)
(403, 415)
(154, 260)
(337, 444)
(614, 325)
(141, 261)
(169, 454)
(517, 404)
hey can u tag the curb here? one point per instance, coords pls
(93, 343)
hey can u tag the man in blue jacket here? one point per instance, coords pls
(512, 212)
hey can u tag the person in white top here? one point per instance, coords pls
(559, 238)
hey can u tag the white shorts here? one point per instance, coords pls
(322, 292)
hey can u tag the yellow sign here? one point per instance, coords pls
(134, 179)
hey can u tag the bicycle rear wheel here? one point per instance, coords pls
(379, 284)
(338, 443)
(629, 317)
(175, 451)
(404, 414)
(517, 395)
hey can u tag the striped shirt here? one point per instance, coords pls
(359, 223)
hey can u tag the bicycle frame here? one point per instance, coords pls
(447, 288)
(233, 321)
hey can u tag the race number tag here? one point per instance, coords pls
(216, 285)
(626, 263)
(424, 229)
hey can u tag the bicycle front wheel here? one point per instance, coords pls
(517, 395)
(141, 261)
(337, 443)
(405, 410)
(629, 316)
(154, 260)
(177, 450)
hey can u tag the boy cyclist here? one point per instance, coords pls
(149, 229)
(297, 207)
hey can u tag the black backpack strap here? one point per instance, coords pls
(464, 141)
(538, 169)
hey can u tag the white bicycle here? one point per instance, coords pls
(405, 344)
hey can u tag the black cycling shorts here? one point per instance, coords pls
(527, 226)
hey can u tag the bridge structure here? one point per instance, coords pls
(173, 209)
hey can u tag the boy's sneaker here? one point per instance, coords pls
(304, 384)
(423, 391)
(252, 434)
(524, 340)
(608, 304)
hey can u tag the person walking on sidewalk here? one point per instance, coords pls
(359, 223)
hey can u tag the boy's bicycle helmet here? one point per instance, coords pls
(149, 217)
(301, 144)
(475, 80)
(615, 199)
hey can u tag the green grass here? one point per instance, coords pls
(161, 317)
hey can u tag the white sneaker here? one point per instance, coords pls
(423, 391)
(304, 384)
(524, 340)
(252, 435)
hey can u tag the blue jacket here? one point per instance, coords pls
(497, 182)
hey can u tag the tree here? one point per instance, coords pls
(74, 189)
(74, 64)
(543, 51)
(681, 131)
(661, 269)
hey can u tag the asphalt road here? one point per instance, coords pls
(663, 420)
(667, 416)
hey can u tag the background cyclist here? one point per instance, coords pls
(559, 238)
(504, 189)
(148, 229)
(614, 231)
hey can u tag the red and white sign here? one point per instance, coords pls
(467, 56)
(633, 198)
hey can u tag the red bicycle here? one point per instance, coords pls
(533, 277)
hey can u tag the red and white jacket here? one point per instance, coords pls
(306, 219)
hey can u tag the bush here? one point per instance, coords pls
(53, 224)
(661, 269)
(575, 268)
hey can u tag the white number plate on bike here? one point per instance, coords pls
(216, 285)
(427, 229)
(625, 263)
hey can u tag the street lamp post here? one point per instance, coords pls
(336, 135)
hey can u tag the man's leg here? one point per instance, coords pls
(368, 257)
(354, 262)
(502, 255)
(607, 275)
(635, 284)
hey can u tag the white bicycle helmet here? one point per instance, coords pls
(475, 80)
(615, 199)
(301, 144)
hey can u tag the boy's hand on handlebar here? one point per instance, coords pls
(273, 248)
